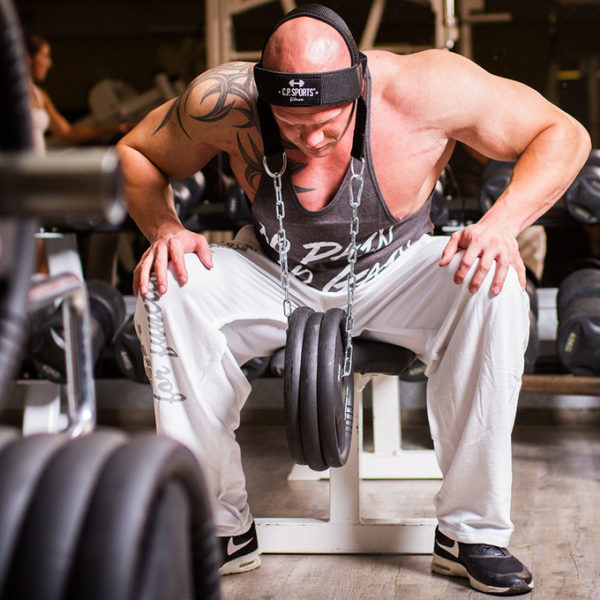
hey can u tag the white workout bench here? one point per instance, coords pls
(347, 531)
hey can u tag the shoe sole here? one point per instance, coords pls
(443, 566)
(242, 564)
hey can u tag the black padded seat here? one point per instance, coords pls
(369, 356)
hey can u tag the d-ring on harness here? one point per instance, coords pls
(318, 371)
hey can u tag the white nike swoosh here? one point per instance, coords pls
(232, 547)
(451, 549)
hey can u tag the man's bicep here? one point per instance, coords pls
(161, 137)
(502, 117)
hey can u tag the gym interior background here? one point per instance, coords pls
(552, 46)
(133, 40)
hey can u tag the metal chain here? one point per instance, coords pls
(352, 258)
(282, 246)
(282, 242)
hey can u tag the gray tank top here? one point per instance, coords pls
(319, 240)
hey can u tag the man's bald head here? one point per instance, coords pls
(306, 45)
(321, 50)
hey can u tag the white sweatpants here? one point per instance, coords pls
(195, 337)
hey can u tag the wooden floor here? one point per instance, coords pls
(556, 510)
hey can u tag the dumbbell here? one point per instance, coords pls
(578, 312)
(46, 339)
(237, 207)
(128, 352)
(583, 196)
(187, 194)
(494, 180)
(445, 190)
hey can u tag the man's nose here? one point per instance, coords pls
(313, 137)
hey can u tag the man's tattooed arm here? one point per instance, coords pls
(223, 85)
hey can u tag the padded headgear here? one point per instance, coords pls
(313, 89)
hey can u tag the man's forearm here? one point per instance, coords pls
(149, 197)
(542, 174)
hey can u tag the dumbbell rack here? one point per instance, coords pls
(42, 399)
(346, 531)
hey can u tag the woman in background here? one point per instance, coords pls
(100, 258)
(44, 114)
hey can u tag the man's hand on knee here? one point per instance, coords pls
(171, 248)
(489, 245)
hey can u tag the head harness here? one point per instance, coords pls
(312, 89)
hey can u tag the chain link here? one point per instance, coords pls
(352, 258)
(282, 246)
(282, 242)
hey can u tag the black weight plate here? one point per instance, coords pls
(107, 306)
(583, 196)
(335, 393)
(21, 466)
(128, 353)
(583, 283)
(7, 436)
(593, 159)
(309, 414)
(50, 535)
(166, 561)
(109, 558)
(578, 337)
(291, 381)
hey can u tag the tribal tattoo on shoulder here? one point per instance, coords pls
(227, 84)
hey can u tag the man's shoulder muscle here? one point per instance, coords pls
(217, 102)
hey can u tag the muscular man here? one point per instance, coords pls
(457, 302)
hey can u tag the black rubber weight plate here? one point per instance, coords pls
(333, 390)
(166, 556)
(578, 337)
(7, 436)
(309, 414)
(291, 381)
(21, 466)
(50, 535)
(583, 283)
(110, 559)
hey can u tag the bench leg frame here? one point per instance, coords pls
(346, 532)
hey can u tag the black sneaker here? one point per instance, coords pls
(490, 569)
(239, 552)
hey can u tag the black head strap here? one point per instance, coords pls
(312, 89)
